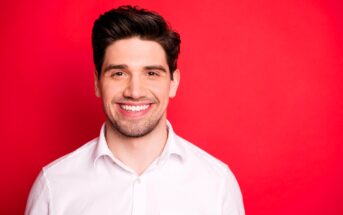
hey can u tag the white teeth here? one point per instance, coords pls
(134, 108)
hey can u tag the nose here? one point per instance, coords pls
(135, 88)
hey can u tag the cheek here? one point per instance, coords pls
(109, 91)
(161, 91)
(107, 99)
(164, 89)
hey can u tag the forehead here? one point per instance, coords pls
(135, 52)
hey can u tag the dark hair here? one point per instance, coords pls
(128, 21)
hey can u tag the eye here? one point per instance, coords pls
(117, 73)
(152, 73)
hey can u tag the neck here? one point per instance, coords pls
(137, 153)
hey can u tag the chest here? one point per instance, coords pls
(153, 195)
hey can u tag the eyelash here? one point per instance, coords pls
(152, 73)
(118, 73)
(121, 73)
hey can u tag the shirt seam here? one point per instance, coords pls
(50, 206)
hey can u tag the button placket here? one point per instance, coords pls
(139, 197)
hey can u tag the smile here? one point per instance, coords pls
(134, 108)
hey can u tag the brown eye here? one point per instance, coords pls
(152, 73)
(118, 73)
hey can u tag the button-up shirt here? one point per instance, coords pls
(183, 180)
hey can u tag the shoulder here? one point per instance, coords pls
(73, 161)
(52, 177)
(199, 158)
(210, 172)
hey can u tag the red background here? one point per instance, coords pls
(261, 89)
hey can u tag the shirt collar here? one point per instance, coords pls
(173, 146)
(101, 148)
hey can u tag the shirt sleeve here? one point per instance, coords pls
(231, 197)
(38, 202)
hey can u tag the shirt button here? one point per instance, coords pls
(138, 180)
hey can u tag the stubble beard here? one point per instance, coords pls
(134, 129)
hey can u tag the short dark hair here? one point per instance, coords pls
(131, 21)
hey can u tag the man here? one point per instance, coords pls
(137, 165)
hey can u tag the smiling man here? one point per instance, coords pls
(137, 165)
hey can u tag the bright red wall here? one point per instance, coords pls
(261, 89)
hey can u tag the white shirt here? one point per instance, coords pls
(184, 180)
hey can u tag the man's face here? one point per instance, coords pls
(135, 86)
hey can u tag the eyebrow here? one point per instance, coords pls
(155, 67)
(123, 66)
(113, 66)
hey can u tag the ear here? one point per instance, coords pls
(174, 84)
(96, 84)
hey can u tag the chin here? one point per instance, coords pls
(135, 129)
